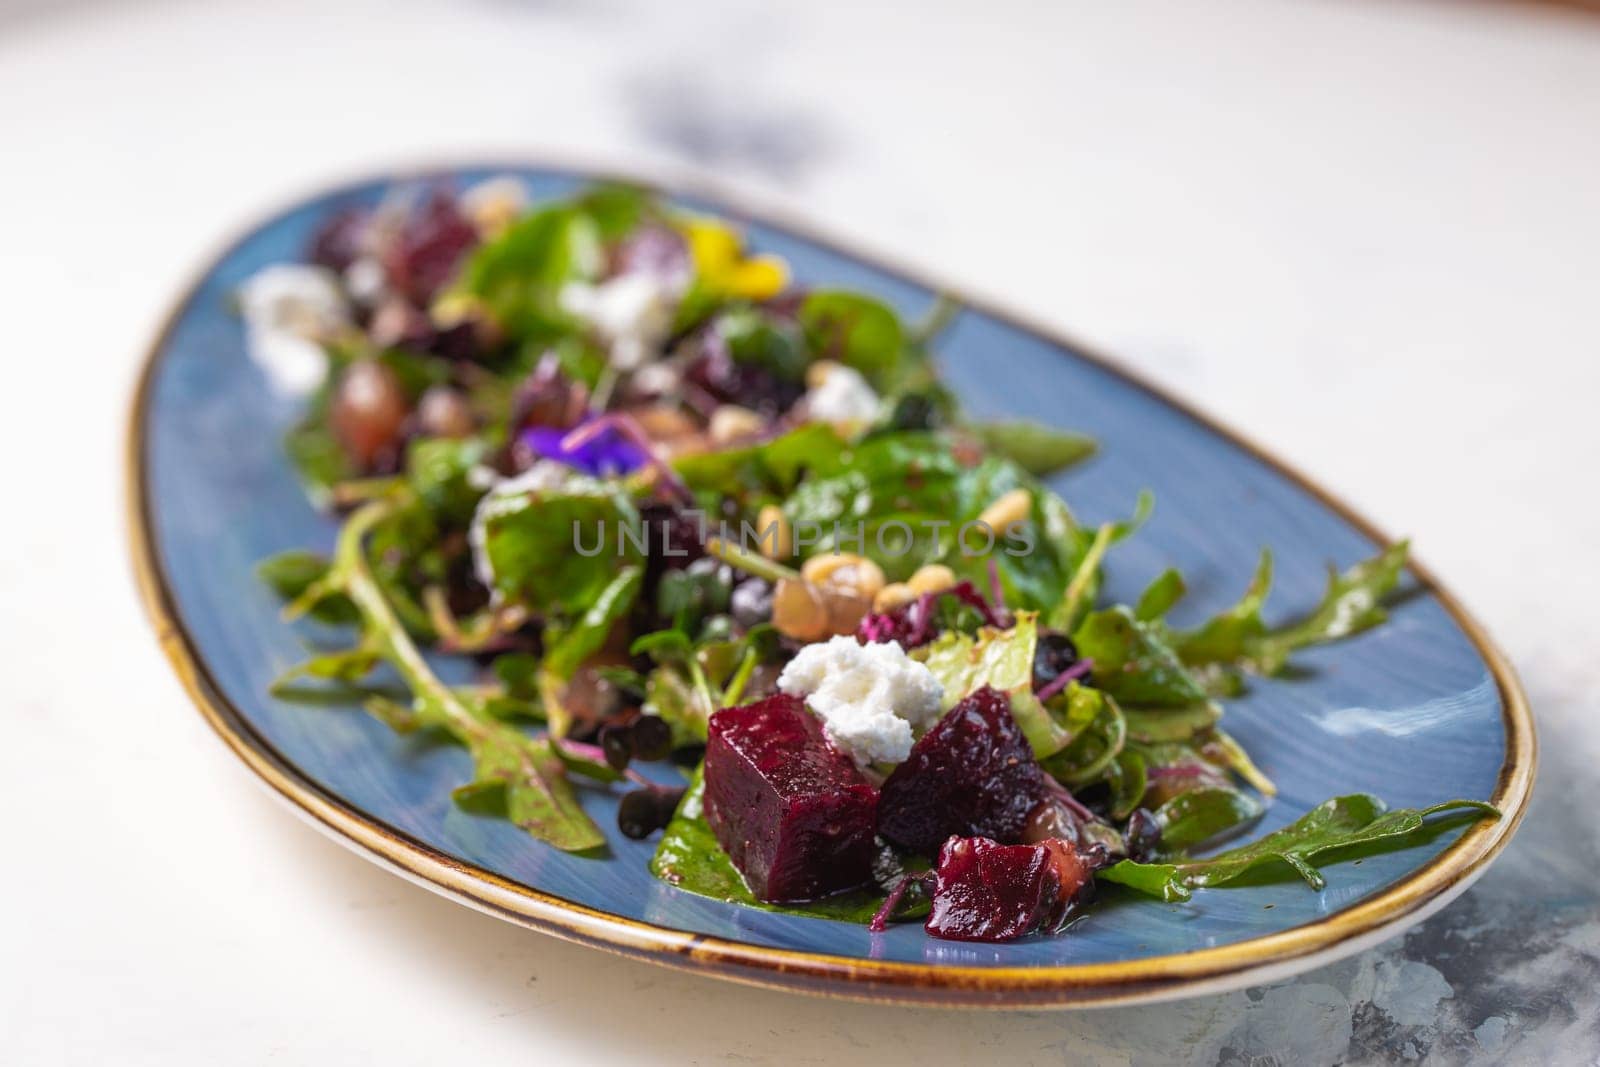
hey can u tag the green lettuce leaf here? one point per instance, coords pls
(1003, 660)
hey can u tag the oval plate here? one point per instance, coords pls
(1420, 710)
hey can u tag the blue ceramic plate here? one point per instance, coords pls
(1417, 711)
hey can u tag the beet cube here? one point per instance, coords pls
(792, 812)
(972, 775)
(984, 891)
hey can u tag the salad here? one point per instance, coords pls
(682, 511)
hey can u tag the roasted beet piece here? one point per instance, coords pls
(337, 242)
(972, 775)
(433, 242)
(985, 891)
(792, 812)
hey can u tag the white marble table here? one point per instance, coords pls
(1368, 234)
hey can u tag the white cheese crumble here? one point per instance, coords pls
(869, 697)
(632, 313)
(543, 476)
(289, 310)
(366, 281)
(842, 396)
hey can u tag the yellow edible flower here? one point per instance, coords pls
(724, 269)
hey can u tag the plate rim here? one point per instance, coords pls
(1216, 969)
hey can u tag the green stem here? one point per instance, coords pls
(384, 627)
(749, 562)
(741, 678)
(1085, 573)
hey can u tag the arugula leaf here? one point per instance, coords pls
(1339, 823)
(1039, 450)
(1227, 635)
(1237, 638)
(1350, 605)
(291, 573)
(515, 773)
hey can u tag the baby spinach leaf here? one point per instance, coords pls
(582, 639)
(1339, 823)
(768, 469)
(518, 276)
(856, 330)
(531, 540)
(1039, 450)
(893, 483)
(318, 458)
(1193, 818)
(437, 467)
(1126, 776)
(617, 208)
(1172, 724)
(1133, 662)
(757, 339)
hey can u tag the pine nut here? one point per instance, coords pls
(781, 544)
(1007, 510)
(933, 578)
(893, 595)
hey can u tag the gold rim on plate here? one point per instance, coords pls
(1209, 970)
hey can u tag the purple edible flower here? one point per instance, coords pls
(606, 454)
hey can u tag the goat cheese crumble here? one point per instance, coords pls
(632, 313)
(289, 310)
(843, 396)
(870, 698)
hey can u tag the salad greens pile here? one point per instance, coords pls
(601, 446)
